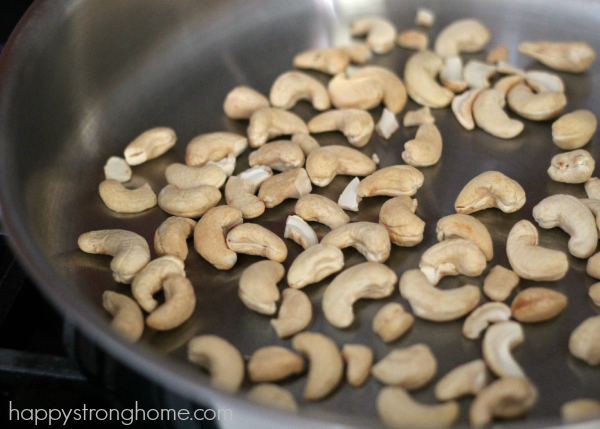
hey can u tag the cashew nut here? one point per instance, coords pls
(274, 363)
(451, 74)
(466, 379)
(380, 32)
(594, 293)
(292, 86)
(489, 114)
(356, 93)
(359, 53)
(306, 143)
(576, 166)
(394, 92)
(326, 364)
(411, 367)
(149, 145)
(295, 313)
(392, 181)
(300, 232)
(210, 233)
(507, 83)
(370, 239)
(291, 184)
(541, 81)
(484, 316)
(258, 286)
(116, 168)
(242, 101)
(367, 280)
(220, 358)
(150, 280)
(282, 155)
(580, 410)
(425, 149)
(403, 226)
(387, 125)
(358, 359)
(438, 305)
(239, 193)
(227, 164)
(180, 301)
(584, 342)
(314, 264)
(414, 118)
(594, 206)
(450, 258)
(575, 57)
(477, 74)
(490, 189)
(349, 198)
(317, 208)
(273, 396)
(497, 53)
(537, 304)
(536, 107)
(413, 39)
(270, 122)
(391, 322)
(193, 202)
(419, 74)
(498, 341)
(462, 107)
(464, 35)
(186, 177)
(499, 283)
(574, 130)
(467, 227)
(129, 250)
(122, 200)
(253, 239)
(592, 188)
(531, 261)
(357, 125)
(507, 68)
(214, 147)
(128, 320)
(324, 163)
(327, 60)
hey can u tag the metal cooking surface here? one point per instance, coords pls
(111, 71)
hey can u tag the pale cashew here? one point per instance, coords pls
(253, 239)
(464, 35)
(541, 81)
(462, 107)
(576, 166)
(592, 188)
(580, 410)
(357, 93)
(257, 175)
(326, 364)
(274, 363)
(349, 198)
(498, 341)
(531, 261)
(193, 202)
(300, 232)
(314, 264)
(116, 168)
(291, 184)
(130, 251)
(419, 74)
(359, 360)
(227, 164)
(490, 189)
(437, 305)
(466, 379)
(392, 181)
(293, 86)
(411, 367)
(128, 320)
(477, 74)
(425, 149)
(424, 17)
(282, 155)
(537, 304)
(186, 177)
(451, 74)
(394, 92)
(317, 208)
(258, 286)
(399, 410)
(324, 163)
(414, 118)
(391, 322)
(210, 233)
(180, 301)
(270, 122)
(497, 53)
(575, 57)
(482, 317)
(387, 125)
(306, 143)
(367, 280)
(450, 258)
(467, 227)
(507, 397)
(327, 60)
(573, 217)
(506, 83)
(380, 32)
(149, 145)
(150, 280)
(357, 125)
(574, 130)
(220, 358)
(403, 226)
(536, 107)
(214, 147)
(359, 53)
(370, 239)
(413, 39)
(594, 206)
(273, 396)
(594, 293)
(170, 237)
(294, 315)
(239, 193)
(499, 283)
(242, 101)
(122, 200)
(489, 115)
(584, 342)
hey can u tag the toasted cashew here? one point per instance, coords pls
(466, 379)
(314, 264)
(367, 280)
(477, 74)
(270, 122)
(489, 115)
(498, 341)
(300, 232)
(537, 107)
(465, 35)
(214, 147)
(425, 149)
(326, 364)
(370, 239)
(128, 320)
(358, 359)
(411, 367)
(193, 202)
(413, 39)
(541, 81)
(484, 316)
(242, 101)
(239, 193)
(130, 251)
(574, 130)
(210, 233)
(258, 286)
(150, 280)
(462, 107)
(380, 32)
(149, 145)
(576, 166)
(357, 125)
(324, 163)
(180, 301)
(451, 74)
(490, 189)
(438, 305)
(506, 83)
(357, 93)
(291, 184)
(450, 258)
(281, 155)
(273, 396)
(116, 168)
(467, 227)
(253, 239)
(573, 217)
(392, 181)
(584, 342)
(419, 75)
(292, 86)
(227, 164)
(306, 143)
(327, 60)
(499, 283)
(404, 227)
(274, 363)
(349, 198)
(592, 188)
(575, 57)
(414, 118)
(507, 397)
(295, 313)
(580, 410)
(220, 358)
(398, 410)
(394, 92)
(537, 304)
(497, 53)
(391, 322)
(186, 177)
(122, 200)
(317, 208)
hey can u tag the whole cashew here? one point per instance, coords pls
(575, 57)
(239, 193)
(391, 181)
(536, 107)
(193, 202)
(359, 93)
(411, 367)
(214, 147)
(150, 280)
(584, 342)
(116, 168)
(317, 208)
(450, 258)
(499, 283)
(357, 125)
(484, 316)
(415, 118)
(242, 101)
(295, 313)
(180, 301)
(273, 396)
(299, 231)
(210, 233)
(253, 239)
(391, 322)
(274, 363)
(270, 122)
(498, 341)
(419, 74)
(282, 155)
(327, 60)
(324, 163)
(576, 166)
(464, 35)
(403, 226)
(128, 320)
(258, 286)
(380, 32)
(149, 145)
(314, 264)
(467, 227)
(574, 130)
(489, 115)
(358, 359)
(425, 149)
(537, 304)
(370, 239)
(292, 86)
(186, 177)
(490, 189)
(291, 184)
(466, 379)
(394, 92)
(462, 107)
(122, 200)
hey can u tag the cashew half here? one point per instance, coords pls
(282, 155)
(462, 107)
(324, 163)
(292, 86)
(122, 200)
(116, 168)
(300, 232)
(193, 202)
(291, 184)
(413, 39)
(580, 410)
(466, 379)
(391, 322)
(273, 396)
(327, 60)
(210, 233)
(484, 316)
(537, 304)
(404, 227)
(239, 193)
(394, 92)
(258, 286)
(128, 320)
(576, 166)
(584, 342)
(220, 358)
(415, 118)
(489, 115)
(180, 301)
(358, 359)
(242, 101)
(425, 149)
(499, 283)
(450, 258)
(575, 57)
(274, 363)
(130, 251)
(574, 130)
(357, 93)
(149, 145)
(254, 239)
(270, 122)
(419, 74)
(370, 239)
(498, 341)
(464, 35)
(186, 177)
(314, 264)
(392, 181)
(150, 280)
(536, 107)
(367, 280)
(357, 125)
(451, 74)
(295, 313)
(490, 189)
(467, 227)
(380, 32)
(214, 147)
(317, 208)
(411, 367)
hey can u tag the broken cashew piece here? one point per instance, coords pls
(536, 107)
(327, 60)
(450, 258)
(180, 302)
(324, 163)
(464, 35)
(282, 155)
(404, 227)
(477, 74)
(370, 239)
(484, 316)
(292, 86)
(576, 166)
(357, 93)
(291, 184)
(380, 32)
(170, 237)
(210, 233)
(314, 264)
(537, 304)
(490, 189)
(410, 368)
(273, 396)
(116, 168)
(150, 280)
(359, 360)
(220, 358)
(295, 313)
(451, 74)
(584, 342)
(574, 130)
(413, 39)
(462, 107)
(274, 363)
(580, 410)
(239, 193)
(149, 145)
(186, 177)
(258, 286)
(391, 322)
(122, 200)
(214, 147)
(254, 239)
(387, 125)
(499, 283)
(349, 198)
(497, 53)
(394, 92)
(300, 232)
(357, 125)
(467, 227)
(415, 118)
(425, 149)
(489, 115)
(425, 17)
(128, 320)
(227, 164)
(317, 208)
(271, 122)
(574, 57)
(498, 341)
(419, 76)
(193, 202)
(392, 181)
(242, 101)
(466, 379)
